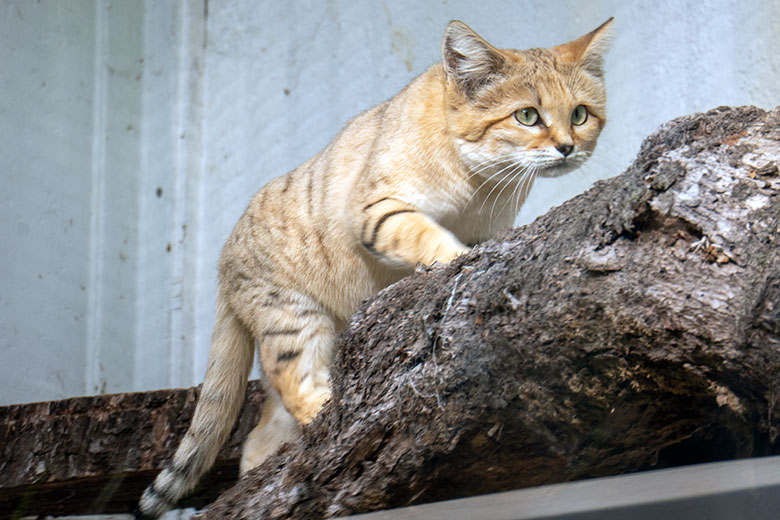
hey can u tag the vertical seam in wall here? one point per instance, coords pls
(144, 160)
(192, 22)
(176, 325)
(146, 172)
(97, 204)
(198, 43)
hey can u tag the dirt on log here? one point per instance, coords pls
(636, 326)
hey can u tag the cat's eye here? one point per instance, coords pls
(579, 115)
(527, 116)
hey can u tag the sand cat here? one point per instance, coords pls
(443, 165)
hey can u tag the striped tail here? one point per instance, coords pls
(230, 361)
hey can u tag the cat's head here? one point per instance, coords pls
(514, 112)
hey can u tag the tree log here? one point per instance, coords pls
(636, 326)
(91, 455)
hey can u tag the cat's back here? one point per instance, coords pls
(313, 194)
(314, 189)
(294, 230)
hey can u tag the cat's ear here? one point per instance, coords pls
(589, 51)
(469, 61)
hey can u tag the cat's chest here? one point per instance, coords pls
(471, 216)
(476, 222)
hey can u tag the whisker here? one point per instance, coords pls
(490, 178)
(518, 173)
(528, 185)
(511, 176)
(525, 188)
(487, 197)
(486, 165)
(609, 168)
(493, 160)
(517, 192)
(486, 181)
(521, 189)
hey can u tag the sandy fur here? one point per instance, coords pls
(418, 179)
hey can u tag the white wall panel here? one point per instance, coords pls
(171, 156)
(100, 123)
(46, 95)
(133, 134)
(115, 166)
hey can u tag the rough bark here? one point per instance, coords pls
(96, 454)
(636, 326)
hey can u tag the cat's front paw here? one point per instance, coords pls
(449, 251)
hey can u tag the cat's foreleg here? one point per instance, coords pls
(404, 235)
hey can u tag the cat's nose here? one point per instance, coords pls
(565, 149)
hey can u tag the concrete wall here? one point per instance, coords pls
(134, 133)
(96, 104)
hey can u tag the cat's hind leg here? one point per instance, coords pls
(295, 352)
(276, 426)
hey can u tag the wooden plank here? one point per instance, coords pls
(90, 455)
